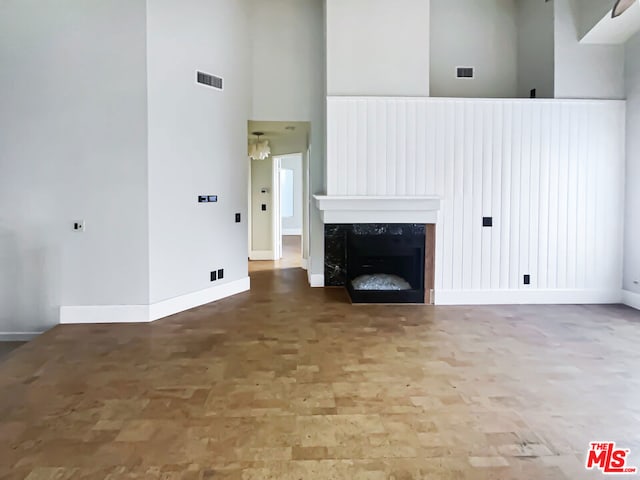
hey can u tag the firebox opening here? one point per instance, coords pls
(385, 268)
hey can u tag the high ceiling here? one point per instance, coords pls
(614, 31)
(284, 137)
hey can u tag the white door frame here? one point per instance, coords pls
(249, 212)
(276, 216)
(306, 205)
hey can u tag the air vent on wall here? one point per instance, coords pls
(209, 80)
(464, 72)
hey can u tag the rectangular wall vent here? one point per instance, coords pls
(464, 72)
(209, 80)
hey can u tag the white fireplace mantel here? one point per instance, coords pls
(378, 209)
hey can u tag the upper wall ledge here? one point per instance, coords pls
(538, 101)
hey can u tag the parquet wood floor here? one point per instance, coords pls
(287, 382)
(7, 347)
(291, 256)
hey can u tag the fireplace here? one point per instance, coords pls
(387, 268)
(391, 237)
(377, 263)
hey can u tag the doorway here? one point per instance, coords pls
(279, 196)
(291, 208)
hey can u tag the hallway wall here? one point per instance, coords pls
(261, 220)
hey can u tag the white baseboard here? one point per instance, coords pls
(18, 336)
(104, 314)
(149, 313)
(195, 299)
(315, 280)
(631, 299)
(291, 231)
(526, 297)
(261, 255)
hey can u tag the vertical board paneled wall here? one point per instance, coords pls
(549, 172)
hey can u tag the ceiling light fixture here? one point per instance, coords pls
(260, 149)
(621, 6)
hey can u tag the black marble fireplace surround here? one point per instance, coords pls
(365, 248)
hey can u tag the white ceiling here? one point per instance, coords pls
(283, 140)
(615, 31)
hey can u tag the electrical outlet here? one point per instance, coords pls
(79, 226)
(264, 207)
(238, 218)
(221, 274)
(527, 279)
(214, 276)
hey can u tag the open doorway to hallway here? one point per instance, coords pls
(291, 207)
(278, 194)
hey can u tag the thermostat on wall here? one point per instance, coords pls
(207, 198)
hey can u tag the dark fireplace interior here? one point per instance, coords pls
(377, 263)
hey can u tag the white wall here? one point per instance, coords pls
(377, 47)
(469, 33)
(632, 226)
(197, 143)
(293, 225)
(615, 31)
(584, 71)
(287, 38)
(73, 145)
(589, 13)
(287, 56)
(549, 172)
(535, 28)
(261, 221)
